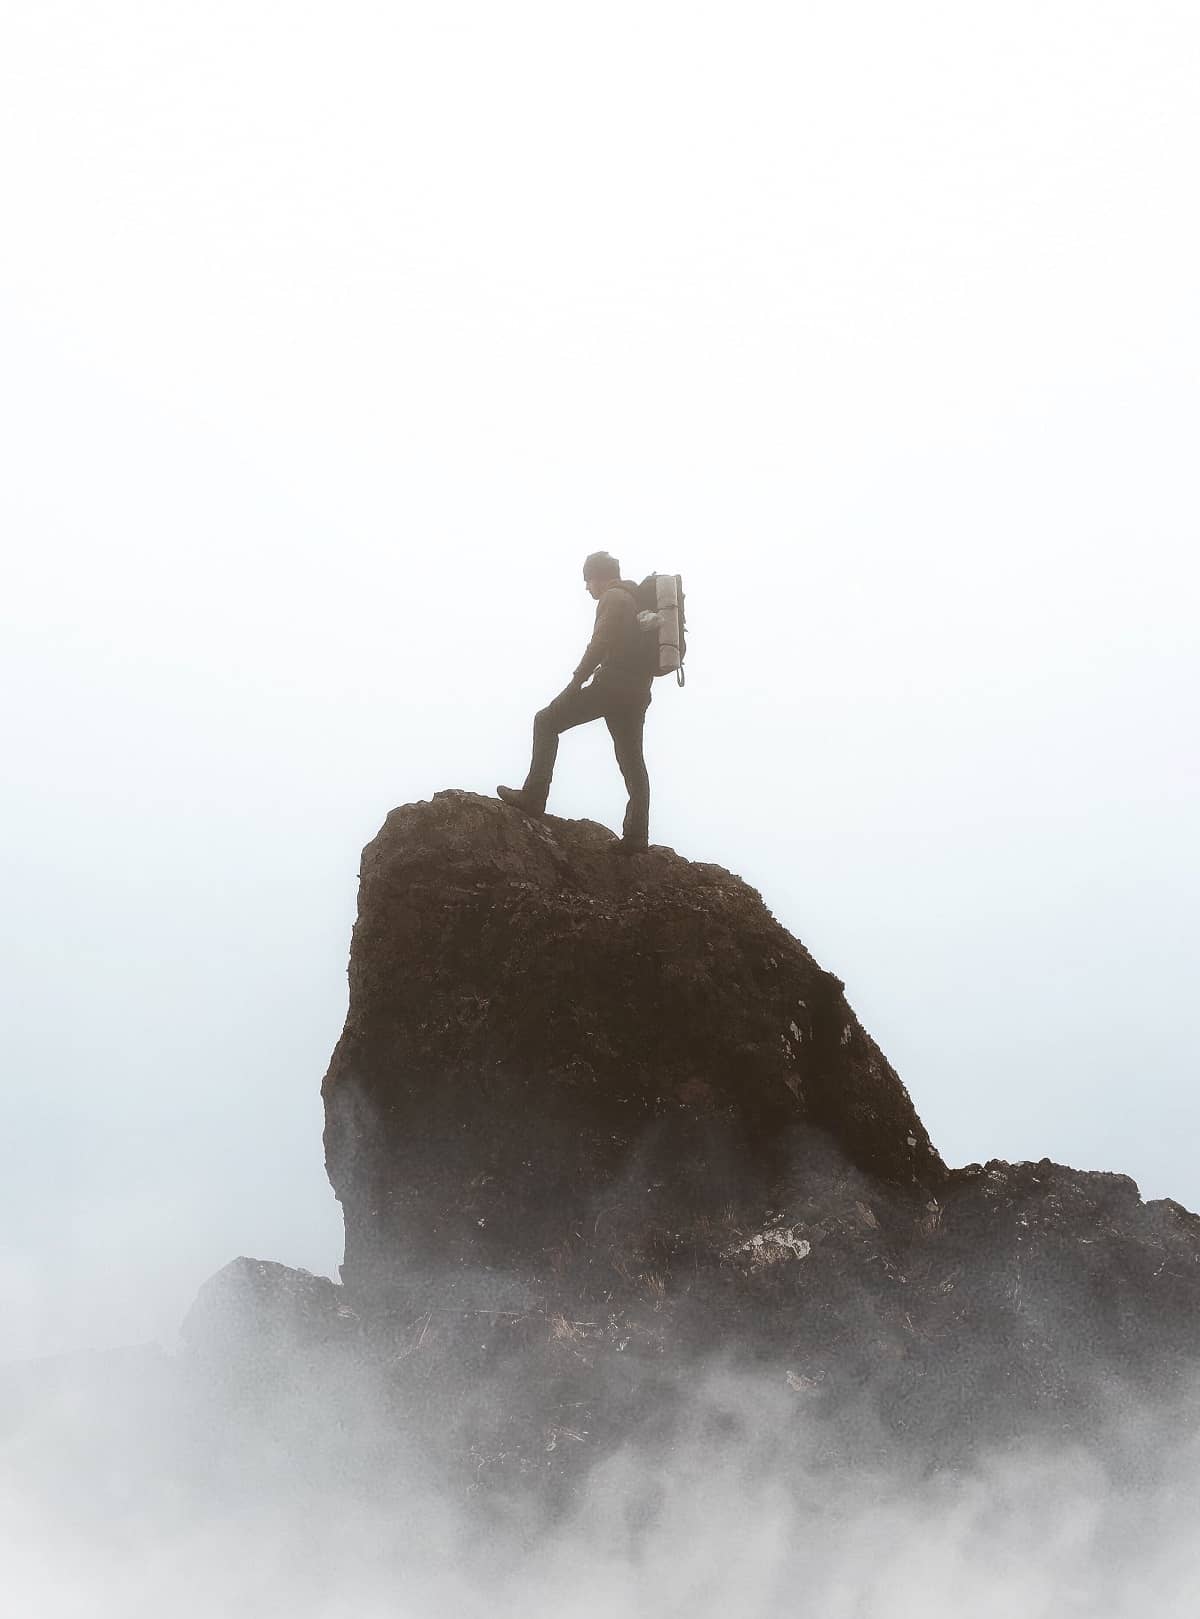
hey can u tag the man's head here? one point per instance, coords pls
(599, 571)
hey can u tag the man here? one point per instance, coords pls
(619, 693)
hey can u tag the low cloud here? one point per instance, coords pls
(135, 1484)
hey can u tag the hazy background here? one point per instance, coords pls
(333, 337)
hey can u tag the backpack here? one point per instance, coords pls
(661, 621)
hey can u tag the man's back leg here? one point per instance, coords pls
(626, 725)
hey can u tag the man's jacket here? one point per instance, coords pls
(615, 649)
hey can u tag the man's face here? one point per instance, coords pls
(595, 586)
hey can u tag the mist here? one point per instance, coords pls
(317, 1508)
(331, 349)
(331, 343)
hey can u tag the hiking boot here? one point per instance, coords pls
(520, 799)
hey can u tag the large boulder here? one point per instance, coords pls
(546, 1040)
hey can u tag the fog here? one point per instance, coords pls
(333, 340)
(300, 1509)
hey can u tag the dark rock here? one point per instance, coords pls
(600, 1125)
(546, 1042)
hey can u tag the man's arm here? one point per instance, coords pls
(604, 636)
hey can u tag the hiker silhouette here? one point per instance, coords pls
(611, 682)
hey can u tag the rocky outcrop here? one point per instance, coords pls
(546, 1040)
(625, 1182)
(594, 1122)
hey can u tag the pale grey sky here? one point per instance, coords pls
(332, 337)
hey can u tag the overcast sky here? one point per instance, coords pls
(333, 337)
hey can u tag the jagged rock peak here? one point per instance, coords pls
(543, 1035)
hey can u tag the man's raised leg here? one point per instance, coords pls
(577, 705)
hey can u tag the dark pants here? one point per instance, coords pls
(623, 710)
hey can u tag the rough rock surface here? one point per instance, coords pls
(597, 1125)
(544, 1038)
